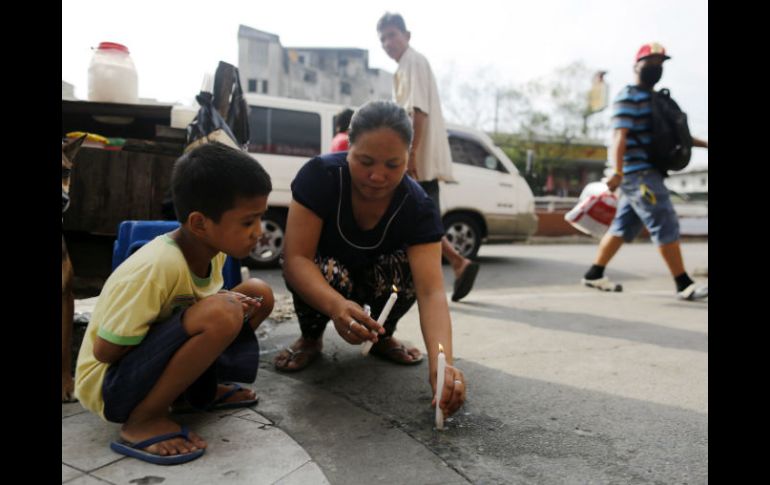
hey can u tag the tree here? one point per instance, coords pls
(547, 115)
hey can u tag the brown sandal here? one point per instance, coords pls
(395, 354)
(311, 354)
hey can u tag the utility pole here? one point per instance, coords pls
(597, 98)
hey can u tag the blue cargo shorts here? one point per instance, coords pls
(645, 201)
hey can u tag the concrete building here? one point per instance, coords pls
(332, 75)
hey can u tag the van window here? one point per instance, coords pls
(284, 132)
(470, 152)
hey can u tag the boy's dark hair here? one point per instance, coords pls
(393, 19)
(211, 177)
(342, 121)
(381, 114)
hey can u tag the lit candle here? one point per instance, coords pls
(367, 346)
(440, 370)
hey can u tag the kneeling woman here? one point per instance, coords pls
(357, 226)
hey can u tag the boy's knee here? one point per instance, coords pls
(255, 287)
(222, 314)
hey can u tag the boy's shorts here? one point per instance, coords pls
(129, 380)
(645, 201)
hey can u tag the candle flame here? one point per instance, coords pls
(440, 348)
(395, 290)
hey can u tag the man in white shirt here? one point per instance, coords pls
(415, 90)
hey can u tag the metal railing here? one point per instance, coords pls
(553, 203)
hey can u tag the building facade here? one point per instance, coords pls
(331, 75)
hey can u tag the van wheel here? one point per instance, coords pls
(270, 245)
(463, 233)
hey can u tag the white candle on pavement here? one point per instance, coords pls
(367, 346)
(440, 370)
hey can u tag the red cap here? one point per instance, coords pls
(651, 49)
(113, 45)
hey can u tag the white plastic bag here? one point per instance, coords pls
(594, 212)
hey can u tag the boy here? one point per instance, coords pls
(162, 330)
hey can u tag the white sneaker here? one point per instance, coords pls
(603, 284)
(694, 292)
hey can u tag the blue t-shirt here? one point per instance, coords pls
(323, 186)
(632, 109)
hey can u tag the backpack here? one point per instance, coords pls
(671, 144)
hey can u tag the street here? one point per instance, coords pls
(566, 384)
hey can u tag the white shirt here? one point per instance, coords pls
(414, 86)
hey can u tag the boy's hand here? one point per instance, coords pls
(250, 304)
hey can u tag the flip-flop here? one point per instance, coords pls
(464, 282)
(390, 355)
(293, 355)
(219, 403)
(135, 450)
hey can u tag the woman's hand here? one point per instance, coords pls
(354, 325)
(453, 394)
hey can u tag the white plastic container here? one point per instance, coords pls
(112, 76)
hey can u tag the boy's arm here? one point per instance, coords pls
(108, 352)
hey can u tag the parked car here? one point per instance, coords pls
(489, 202)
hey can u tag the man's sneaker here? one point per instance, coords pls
(694, 292)
(603, 284)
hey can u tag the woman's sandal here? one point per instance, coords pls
(311, 353)
(395, 354)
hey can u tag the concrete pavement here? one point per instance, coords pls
(566, 385)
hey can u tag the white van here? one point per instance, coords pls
(490, 202)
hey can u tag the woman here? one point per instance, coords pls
(356, 227)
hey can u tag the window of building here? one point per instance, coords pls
(343, 62)
(264, 86)
(311, 77)
(301, 59)
(469, 152)
(252, 86)
(345, 88)
(704, 181)
(284, 132)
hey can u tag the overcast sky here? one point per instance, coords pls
(173, 43)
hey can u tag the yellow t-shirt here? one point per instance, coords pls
(147, 287)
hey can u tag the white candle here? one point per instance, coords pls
(367, 346)
(440, 370)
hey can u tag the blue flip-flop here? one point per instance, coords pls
(135, 450)
(219, 403)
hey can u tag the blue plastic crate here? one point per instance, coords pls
(134, 234)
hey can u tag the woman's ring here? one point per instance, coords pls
(350, 327)
(457, 381)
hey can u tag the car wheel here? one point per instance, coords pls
(463, 233)
(270, 245)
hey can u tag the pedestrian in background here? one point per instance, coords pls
(341, 123)
(644, 200)
(430, 160)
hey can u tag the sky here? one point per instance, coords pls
(174, 43)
